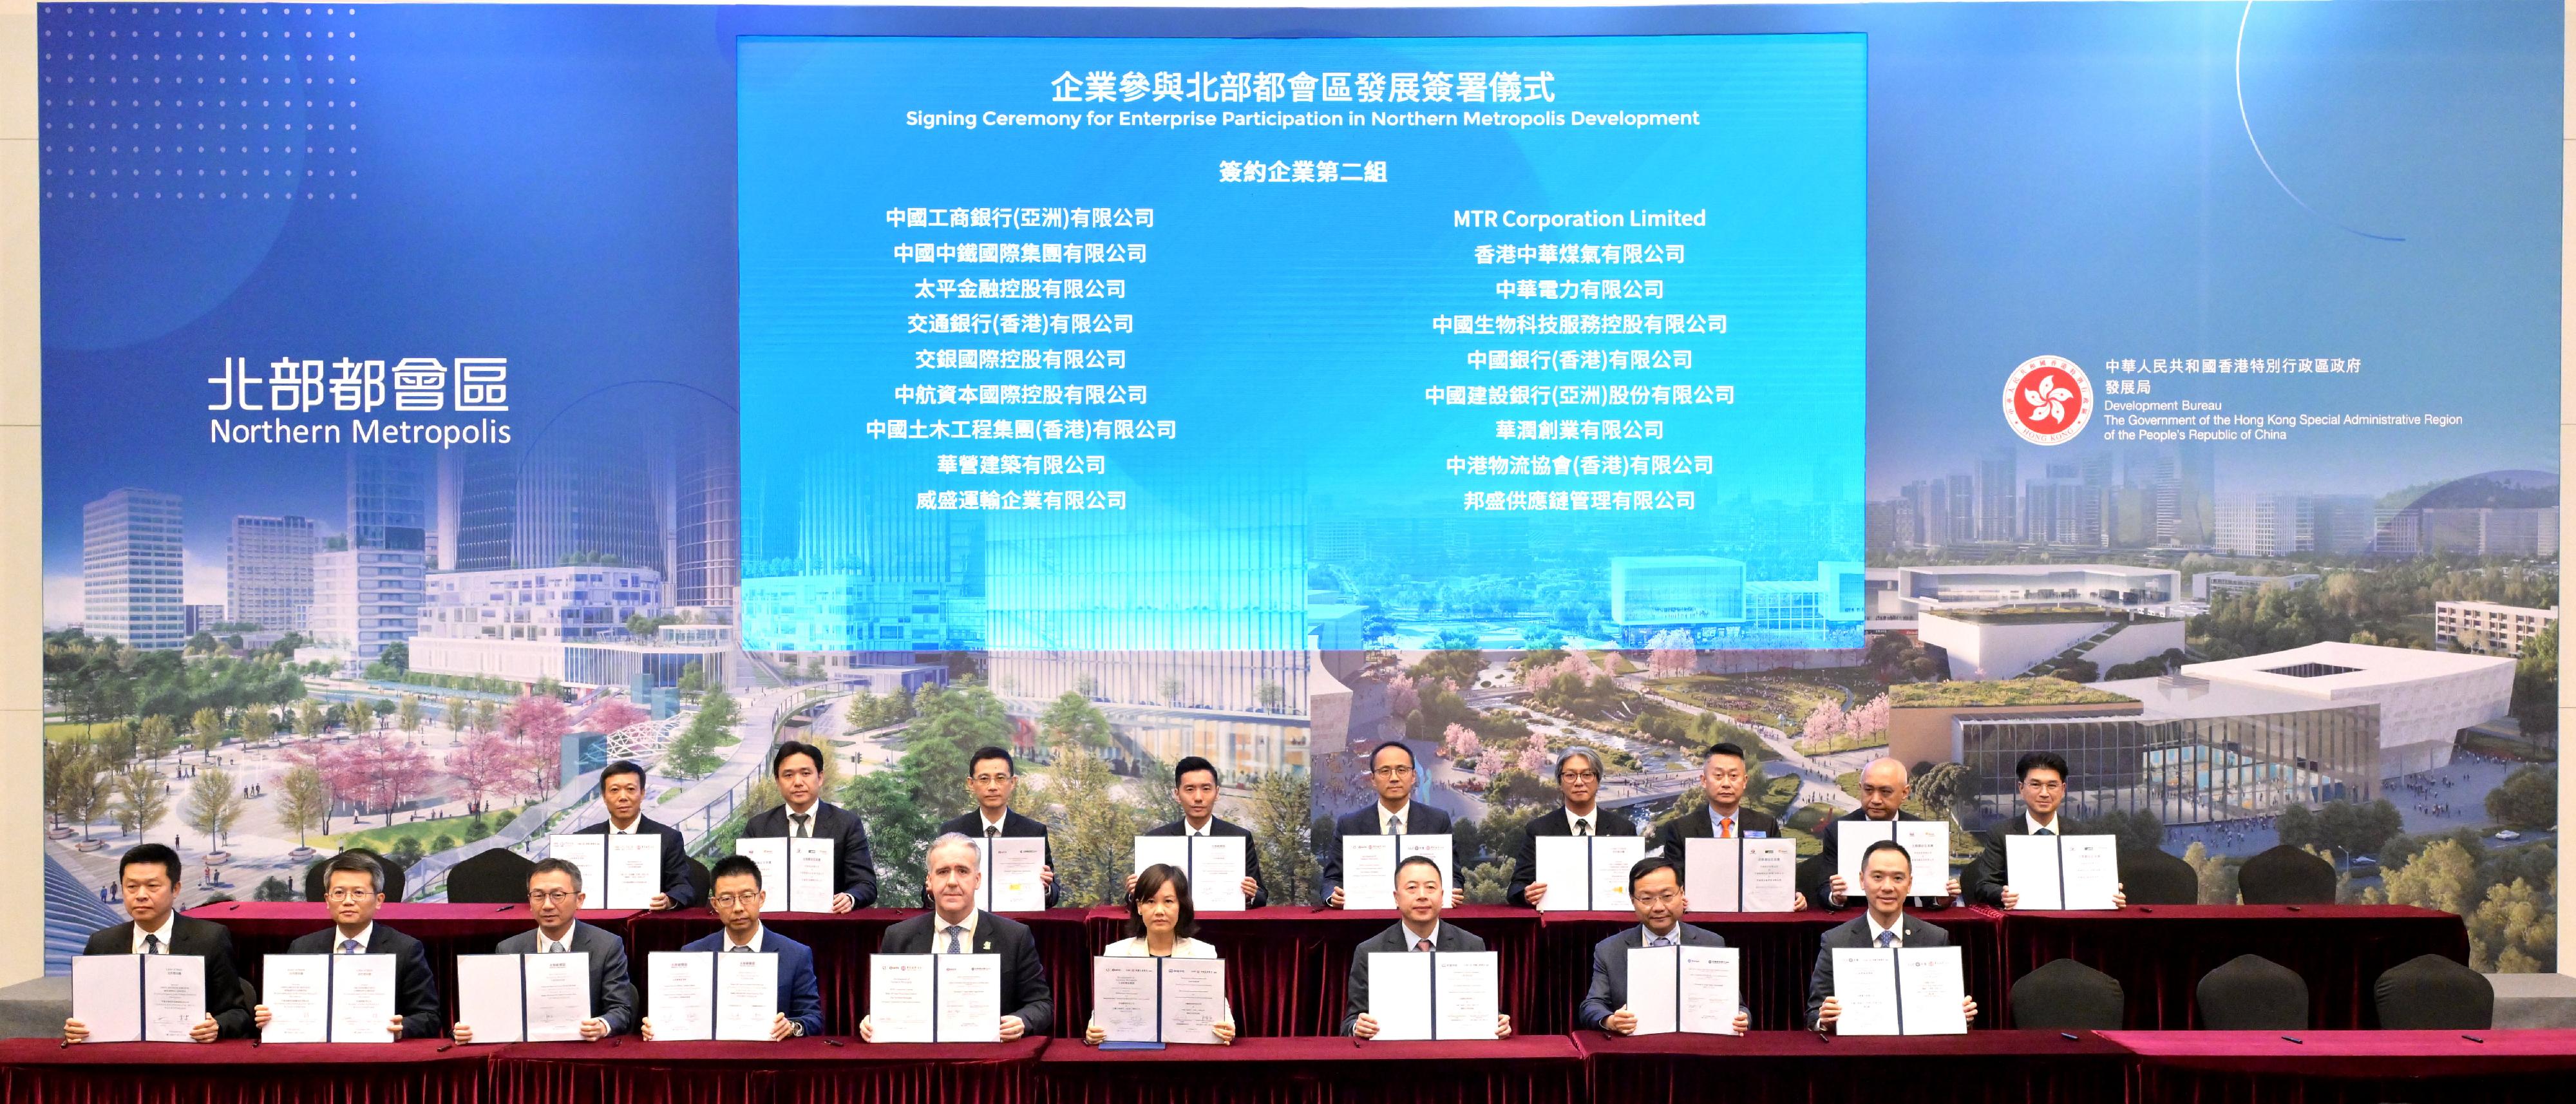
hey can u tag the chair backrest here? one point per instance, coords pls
(2253, 993)
(496, 877)
(2433, 993)
(699, 878)
(2286, 876)
(2158, 878)
(315, 881)
(2064, 994)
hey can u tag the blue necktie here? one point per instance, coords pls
(2043, 832)
(348, 946)
(954, 931)
(1662, 941)
(1887, 939)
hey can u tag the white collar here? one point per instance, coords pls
(1410, 939)
(1647, 937)
(793, 811)
(629, 830)
(2055, 825)
(169, 926)
(1875, 931)
(544, 944)
(990, 823)
(939, 931)
(1383, 816)
(1715, 818)
(366, 938)
(759, 932)
(1186, 830)
(1593, 818)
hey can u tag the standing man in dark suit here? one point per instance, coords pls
(992, 777)
(621, 788)
(1883, 787)
(1194, 785)
(2043, 795)
(1417, 897)
(1655, 888)
(1887, 874)
(1722, 778)
(955, 926)
(735, 894)
(554, 896)
(1395, 813)
(1578, 777)
(149, 876)
(354, 887)
(798, 769)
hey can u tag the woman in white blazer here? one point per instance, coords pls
(1161, 924)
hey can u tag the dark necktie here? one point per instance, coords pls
(803, 831)
(954, 932)
(151, 944)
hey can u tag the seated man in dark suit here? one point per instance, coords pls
(1395, 813)
(1418, 897)
(1883, 787)
(992, 777)
(1655, 888)
(621, 788)
(955, 926)
(736, 896)
(1194, 785)
(149, 876)
(1578, 777)
(2043, 794)
(554, 895)
(798, 769)
(1887, 875)
(1722, 779)
(354, 887)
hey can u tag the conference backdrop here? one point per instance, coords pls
(443, 401)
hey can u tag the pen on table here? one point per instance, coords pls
(2295, 1039)
(444, 1048)
(833, 1043)
(2473, 1038)
(2069, 1036)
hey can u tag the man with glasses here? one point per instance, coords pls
(354, 887)
(1395, 813)
(149, 876)
(1723, 777)
(554, 895)
(1883, 787)
(1578, 778)
(992, 777)
(797, 767)
(621, 789)
(2043, 794)
(736, 897)
(1655, 889)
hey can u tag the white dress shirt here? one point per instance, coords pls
(965, 939)
(169, 924)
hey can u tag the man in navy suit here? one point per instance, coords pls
(354, 887)
(1194, 785)
(621, 788)
(955, 926)
(1395, 813)
(798, 769)
(992, 776)
(736, 897)
(1887, 875)
(1655, 888)
(149, 877)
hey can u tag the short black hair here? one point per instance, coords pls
(1151, 881)
(622, 766)
(795, 747)
(359, 861)
(1887, 845)
(1724, 747)
(1191, 764)
(1410, 860)
(2041, 760)
(150, 854)
(1397, 745)
(989, 751)
(552, 865)
(731, 865)
(1649, 865)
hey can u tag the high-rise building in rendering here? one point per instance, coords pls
(1998, 493)
(707, 553)
(581, 495)
(131, 570)
(268, 572)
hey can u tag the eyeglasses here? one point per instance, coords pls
(729, 900)
(1578, 776)
(344, 893)
(550, 896)
(1392, 772)
(990, 779)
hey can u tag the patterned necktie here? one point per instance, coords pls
(1582, 827)
(803, 830)
(743, 949)
(1662, 941)
(1422, 944)
(1887, 939)
(1395, 826)
(955, 932)
(348, 946)
(152, 944)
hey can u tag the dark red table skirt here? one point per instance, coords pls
(842, 943)
(1541, 1069)
(2349, 1067)
(797, 1071)
(1779, 955)
(1784, 1067)
(1288, 966)
(2159, 954)
(445, 931)
(420, 1071)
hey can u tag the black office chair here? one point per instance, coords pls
(2433, 993)
(2286, 875)
(2064, 994)
(2158, 878)
(2253, 993)
(496, 877)
(699, 879)
(315, 881)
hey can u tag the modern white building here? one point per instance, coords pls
(2002, 586)
(2424, 698)
(563, 623)
(2003, 643)
(268, 572)
(2210, 584)
(365, 598)
(132, 584)
(2488, 628)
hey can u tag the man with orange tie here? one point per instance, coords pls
(1722, 779)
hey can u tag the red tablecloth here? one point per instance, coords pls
(842, 943)
(419, 1071)
(1535, 1069)
(2159, 954)
(1288, 966)
(265, 927)
(819, 1070)
(1779, 955)
(1783, 1067)
(2359, 1067)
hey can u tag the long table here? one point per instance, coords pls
(1779, 953)
(843, 941)
(2159, 953)
(1778, 1067)
(815, 1070)
(417, 1071)
(1536, 1069)
(1288, 966)
(2348, 1067)
(261, 928)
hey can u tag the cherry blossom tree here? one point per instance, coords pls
(377, 773)
(612, 714)
(484, 766)
(1460, 744)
